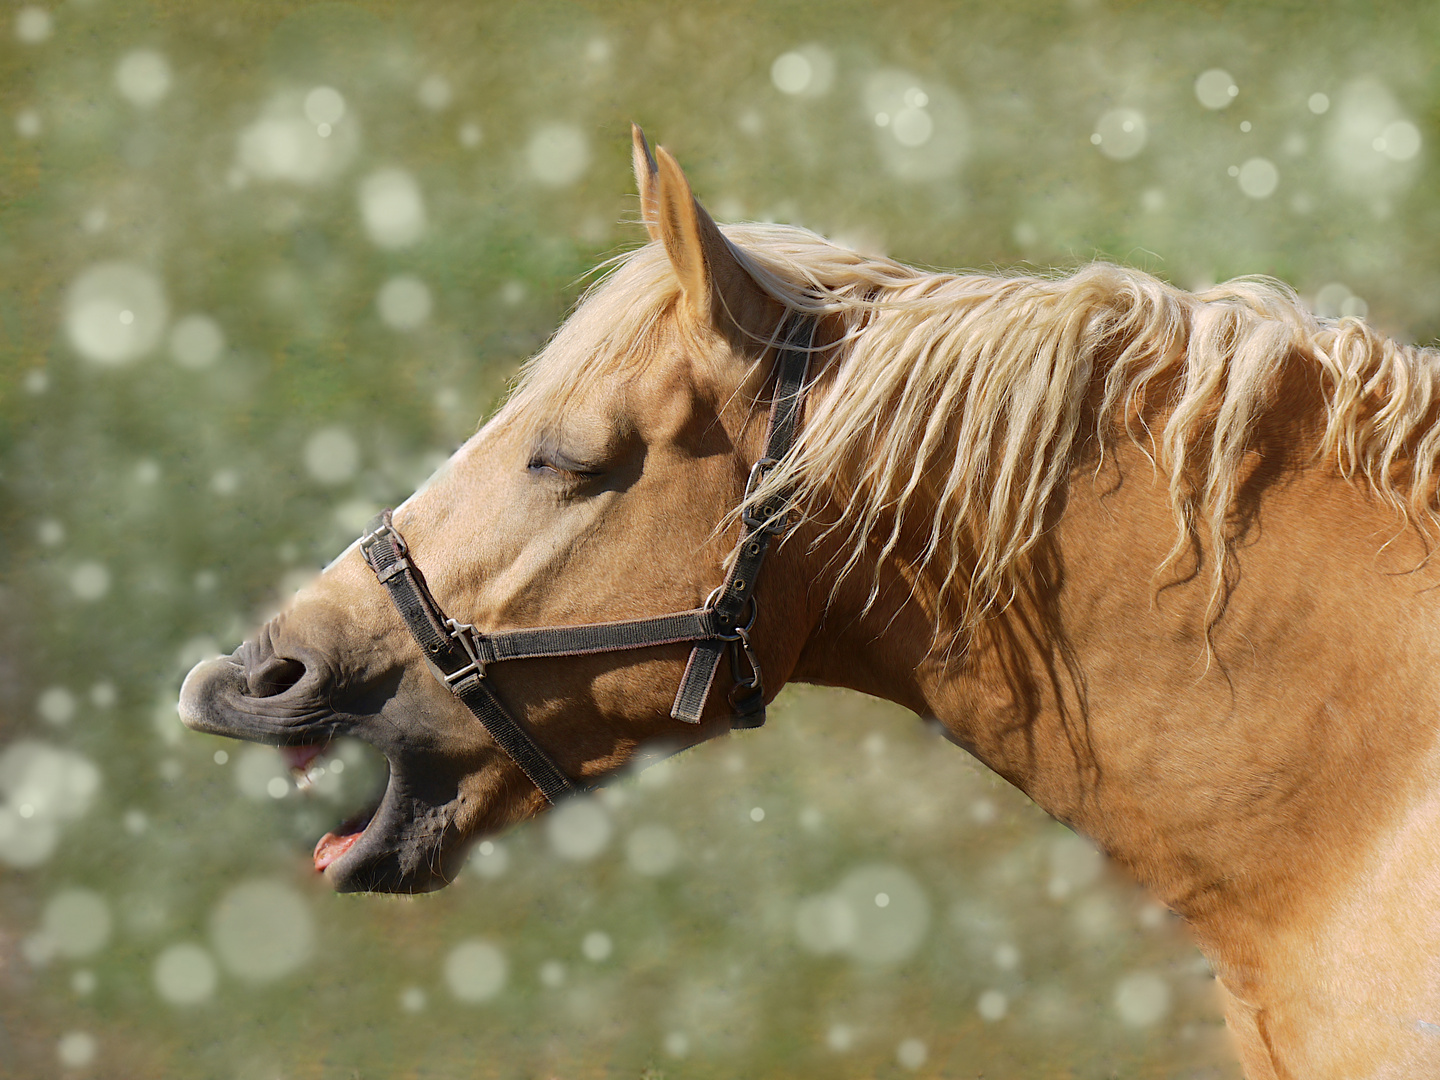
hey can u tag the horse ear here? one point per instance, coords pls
(717, 288)
(647, 181)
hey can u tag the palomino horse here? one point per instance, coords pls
(1159, 559)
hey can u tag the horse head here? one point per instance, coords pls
(605, 489)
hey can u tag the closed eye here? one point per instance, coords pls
(561, 465)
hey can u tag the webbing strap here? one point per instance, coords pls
(385, 551)
(588, 638)
(522, 749)
(760, 525)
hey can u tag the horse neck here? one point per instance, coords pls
(1210, 762)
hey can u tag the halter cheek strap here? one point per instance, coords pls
(459, 654)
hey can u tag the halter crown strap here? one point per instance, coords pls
(760, 524)
(458, 653)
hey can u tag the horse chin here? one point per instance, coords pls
(404, 843)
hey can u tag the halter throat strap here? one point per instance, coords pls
(459, 654)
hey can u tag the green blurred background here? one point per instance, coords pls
(263, 266)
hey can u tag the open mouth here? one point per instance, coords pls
(307, 764)
(404, 840)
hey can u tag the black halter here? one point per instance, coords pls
(459, 653)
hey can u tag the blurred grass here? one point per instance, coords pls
(190, 487)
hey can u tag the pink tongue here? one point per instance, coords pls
(331, 847)
(300, 757)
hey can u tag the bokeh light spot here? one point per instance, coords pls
(404, 302)
(434, 92)
(912, 126)
(1400, 141)
(992, 1006)
(489, 859)
(558, 154)
(1122, 134)
(77, 922)
(332, 456)
(185, 974)
(324, 105)
(33, 25)
(1259, 178)
(98, 303)
(854, 920)
(1362, 160)
(922, 129)
(143, 77)
(579, 829)
(652, 850)
(56, 706)
(475, 971)
(1142, 999)
(76, 1049)
(392, 208)
(1006, 957)
(262, 930)
(90, 581)
(286, 144)
(911, 1053)
(597, 946)
(1215, 89)
(44, 787)
(196, 341)
(1330, 299)
(791, 73)
(808, 71)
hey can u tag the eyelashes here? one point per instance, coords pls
(563, 466)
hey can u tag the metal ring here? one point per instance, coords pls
(740, 633)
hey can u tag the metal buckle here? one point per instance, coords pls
(758, 472)
(380, 526)
(463, 633)
(765, 517)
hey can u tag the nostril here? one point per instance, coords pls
(267, 673)
(272, 676)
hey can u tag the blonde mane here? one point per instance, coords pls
(958, 406)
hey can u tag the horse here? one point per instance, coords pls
(1160, 559)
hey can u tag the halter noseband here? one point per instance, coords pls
(459, 654)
